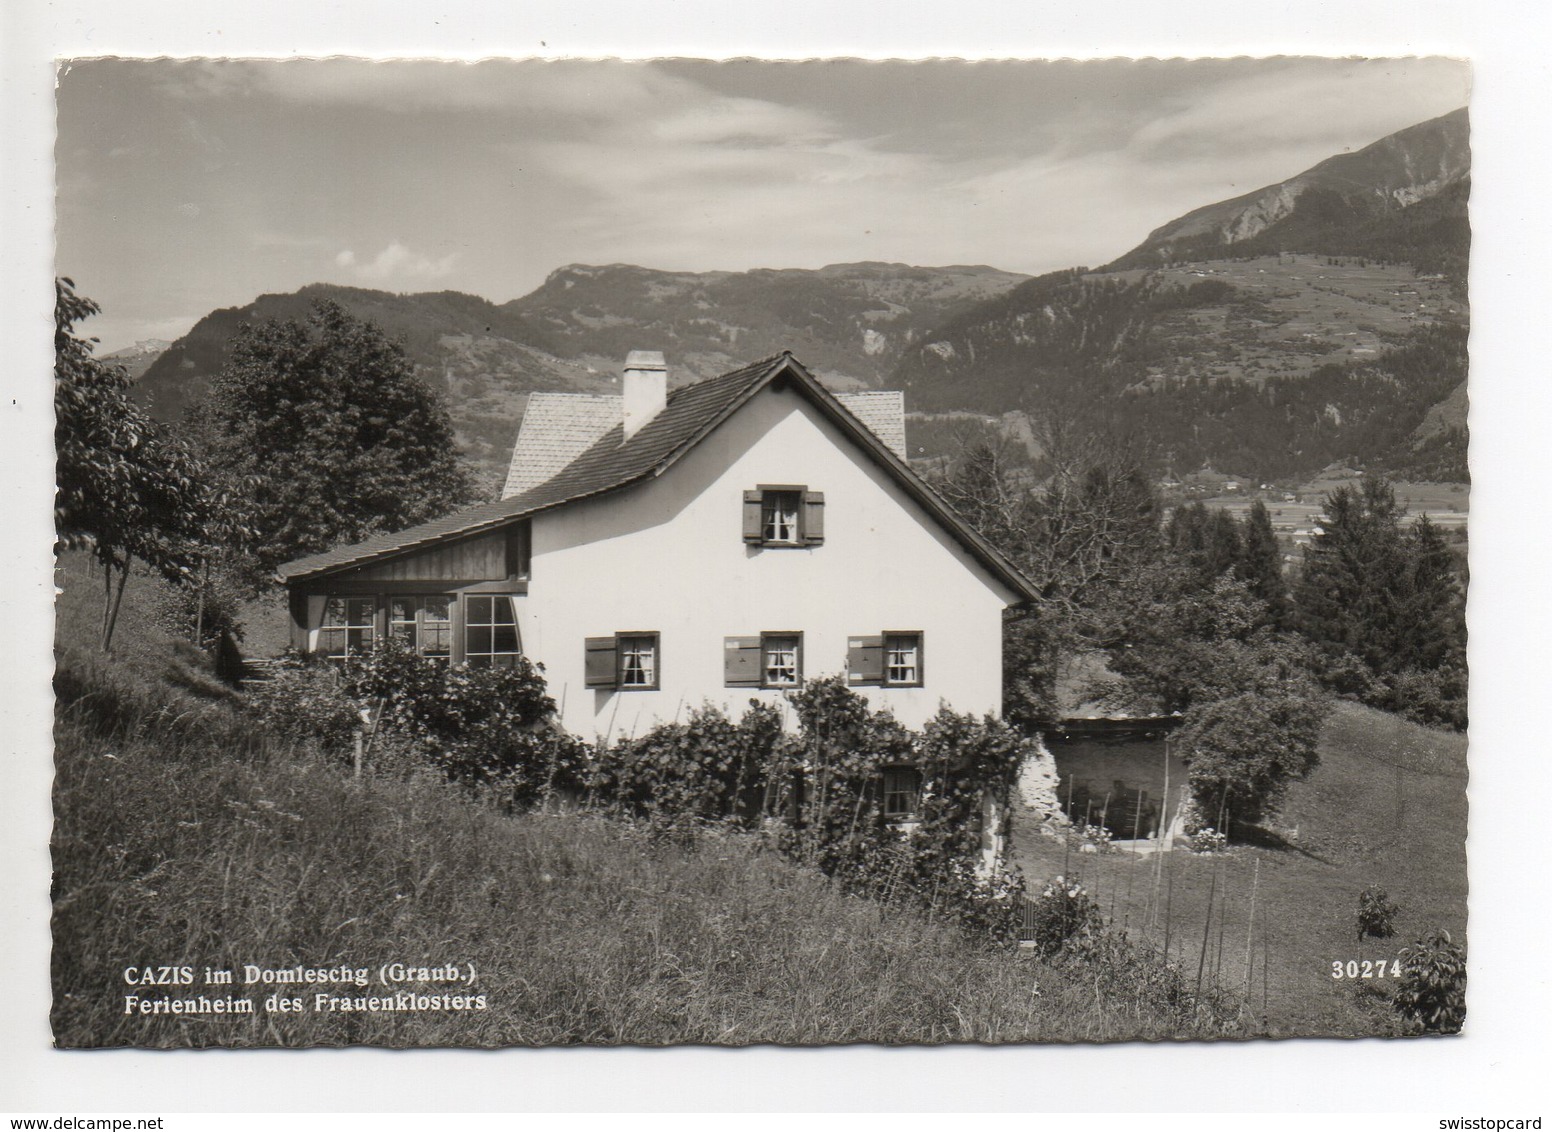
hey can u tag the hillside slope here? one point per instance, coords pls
(1376, 182)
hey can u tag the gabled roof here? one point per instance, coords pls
(559, 427)
(612, 462)
(556, 429)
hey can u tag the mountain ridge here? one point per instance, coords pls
(1317, 319)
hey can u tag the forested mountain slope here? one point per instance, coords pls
(1265, 340)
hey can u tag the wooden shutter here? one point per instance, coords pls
(864, 660)
(813, 517)
(741, 662)
(602, 664)
(753, 520)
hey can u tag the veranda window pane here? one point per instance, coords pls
(505, 639)
(437, 642)
(479, 639)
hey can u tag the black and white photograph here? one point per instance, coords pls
(811, 552)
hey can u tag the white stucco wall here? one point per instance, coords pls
(668, 556)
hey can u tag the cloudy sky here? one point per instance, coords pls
(185, 186)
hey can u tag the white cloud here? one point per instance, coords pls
(397, 261)
(1304, 104)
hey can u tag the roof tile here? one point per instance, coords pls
(883, 411)
(556, 429)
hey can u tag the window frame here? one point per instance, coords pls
(620, 649)
(348, 627)
(420, 623)
(770, 493)
(796, 637)
(913, 813)
(466, 624)
(891, 635)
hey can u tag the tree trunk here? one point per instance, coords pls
(107, 603)
(118, 600)
(199, 609)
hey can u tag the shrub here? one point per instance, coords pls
(833, 781)
(1434, 697)
(1432, 992)
(1061, 915)
(1209, 840)
(1376, 913)
(306, 703)
(707, 768)
(490, 726)
(176, 608)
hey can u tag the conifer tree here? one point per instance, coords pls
(1261, 562)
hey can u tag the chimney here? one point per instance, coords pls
(645, 388)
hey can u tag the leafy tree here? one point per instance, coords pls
(334, 435)
(1192, 645)
(1244, 751)
(1377, 913)
(124, 488)
(1087, 536)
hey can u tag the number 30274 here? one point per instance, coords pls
(1365, 968)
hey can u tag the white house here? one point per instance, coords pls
(657, 550)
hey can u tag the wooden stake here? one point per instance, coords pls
(1250, 927)
(1223, 907)
(1266, 962)
(1201, 963)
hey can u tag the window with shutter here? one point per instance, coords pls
(783, 515)
(779, 515)
(864, 660)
